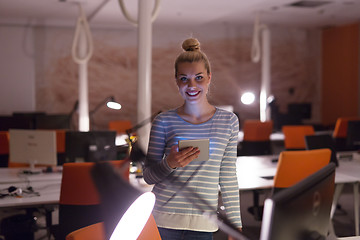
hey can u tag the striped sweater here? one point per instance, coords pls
(184, 194)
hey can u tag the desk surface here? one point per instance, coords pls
(251, 171)
(15, 175)
(46, 188)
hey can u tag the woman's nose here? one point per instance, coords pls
(191, 83)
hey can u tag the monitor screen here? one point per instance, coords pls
(15, 122)
(353, 135)
(90, 146)
(319, 141)
(33, 147)
(53, 121)
(301, 211)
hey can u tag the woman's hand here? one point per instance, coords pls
(182, 157)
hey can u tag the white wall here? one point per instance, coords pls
(17, 73)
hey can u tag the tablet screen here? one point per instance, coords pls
(201, 144)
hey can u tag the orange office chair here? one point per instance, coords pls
(92, 232)
(294, 166)
(97, 232)
(340, 132)
(4, 148)
(256, 139)
(120, 126)
(60, 146)
(79, 204)
(294, 136)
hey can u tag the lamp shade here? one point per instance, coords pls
(116, 199)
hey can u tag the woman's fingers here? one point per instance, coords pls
(182, 157)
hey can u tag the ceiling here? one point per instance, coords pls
(107, 13)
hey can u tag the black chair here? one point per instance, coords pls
(319, 141)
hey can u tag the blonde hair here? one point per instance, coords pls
(192, 53)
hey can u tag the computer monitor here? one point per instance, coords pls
(34, 147)
(353, 135)
(90, 146)
(319, 141)
(53, 121)
(301, 211)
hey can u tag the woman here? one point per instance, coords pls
(184, 188)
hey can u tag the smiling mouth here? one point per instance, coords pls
(193, 94)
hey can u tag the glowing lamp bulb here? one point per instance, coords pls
(113, 105)
(248, 98)
(135, 218)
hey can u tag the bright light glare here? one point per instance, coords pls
(113, 105)
(135, 218)
(121, 139)
(270, 99)
(248, 98)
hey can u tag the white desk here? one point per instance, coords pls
(46, 184)
(252, 169)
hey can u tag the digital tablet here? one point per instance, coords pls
(201, 144)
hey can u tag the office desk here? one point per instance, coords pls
(46, 190)
(14, 175)
(46, 184)
(251, 171)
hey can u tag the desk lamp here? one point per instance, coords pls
(125, 209)
(110, 103)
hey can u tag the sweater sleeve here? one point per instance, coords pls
(156, 167)
(228, 177)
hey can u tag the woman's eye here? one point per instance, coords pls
(183, 79)
(199, 77)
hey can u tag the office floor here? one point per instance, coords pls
(343, 219)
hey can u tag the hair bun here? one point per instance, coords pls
(191, 44)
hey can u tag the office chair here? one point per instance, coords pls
(340, 133)
(79, 204)
(319, 141)
(293, 166)
(60, 146)
(92, 232)
(4, 148)
(256, 139)
(294, 136)
(120, 126)
(97, 232)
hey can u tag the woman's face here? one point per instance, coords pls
(193, 81)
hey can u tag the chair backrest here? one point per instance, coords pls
(256, 130)
(4, 142)
(60, 140)
(341, 125)
(4, 148)
(97, 232)
(92, 232)
(120, 126)
(319, 141)
(79, 204)
(256, 139)
(150, 231)
(293, 166)
(294, 136)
